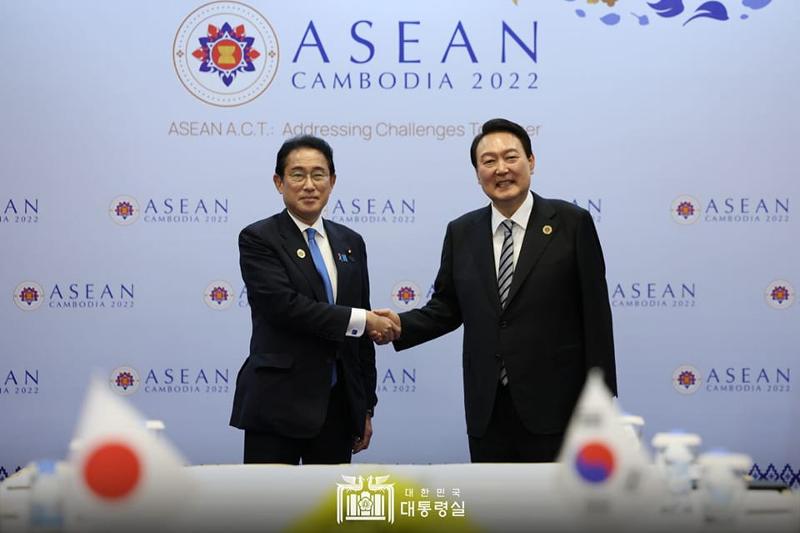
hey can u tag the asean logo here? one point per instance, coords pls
(685, 209)
(225, 53)
(124, 210)
(406, 295)
(595, 462)
(124, 380)
(218, 295)
(28, 295)
(779, 294)
(686, 379)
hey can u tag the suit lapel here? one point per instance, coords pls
(344, 259)
(535, 241)
(482, 250)
(295, 245)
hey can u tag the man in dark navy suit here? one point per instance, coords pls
(306, 392)
(525, 276)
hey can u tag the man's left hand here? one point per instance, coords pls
(362, 443)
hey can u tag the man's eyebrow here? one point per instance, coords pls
(503, 152)
(301, 167)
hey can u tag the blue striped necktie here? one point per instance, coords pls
(319, 264)
(505, 271)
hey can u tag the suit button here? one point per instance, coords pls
(503, 324)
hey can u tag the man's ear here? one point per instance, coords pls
(278, 181)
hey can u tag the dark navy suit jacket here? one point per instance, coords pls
(555, 327)
(284, 384)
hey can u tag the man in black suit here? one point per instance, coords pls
(306, 392)
(526, 277)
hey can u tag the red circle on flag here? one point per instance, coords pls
(112, 471)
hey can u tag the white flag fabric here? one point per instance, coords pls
(123, 477)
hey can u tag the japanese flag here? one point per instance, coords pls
(124, 477)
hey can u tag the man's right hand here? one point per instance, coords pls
(383, 326)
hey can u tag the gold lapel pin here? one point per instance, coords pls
(301, 253)
(547, 229)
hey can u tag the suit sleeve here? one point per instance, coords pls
(597, 325)
(366, 348)
(270, 291)
(442, 313)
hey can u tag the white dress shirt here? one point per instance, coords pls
(520, 219)
(358, 317)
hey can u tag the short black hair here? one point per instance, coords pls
(500, 124)
(303, 141)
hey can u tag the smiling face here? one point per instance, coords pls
(306, 183)
(504, 171)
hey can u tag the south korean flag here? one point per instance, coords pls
(603, 472)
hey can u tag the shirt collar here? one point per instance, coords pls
(520, 217)
(302, 226)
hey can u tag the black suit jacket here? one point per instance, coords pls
(555, 327)
(284, 385)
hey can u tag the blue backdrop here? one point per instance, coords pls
(139, 138)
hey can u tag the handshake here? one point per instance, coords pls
(383, 326)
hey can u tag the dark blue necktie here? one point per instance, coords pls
(319, 264)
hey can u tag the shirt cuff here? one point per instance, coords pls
(358, 323)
